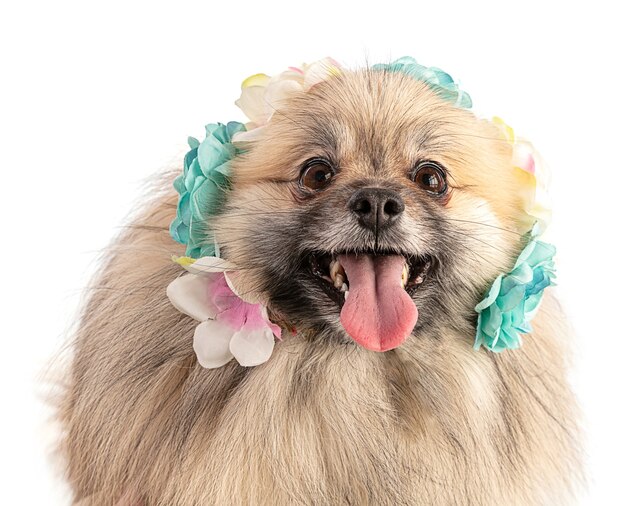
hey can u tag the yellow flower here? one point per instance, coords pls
(532, 176)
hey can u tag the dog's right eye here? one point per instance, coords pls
(316, 174)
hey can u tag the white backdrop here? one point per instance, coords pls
(96, 96)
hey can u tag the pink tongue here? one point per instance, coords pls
(378, 313)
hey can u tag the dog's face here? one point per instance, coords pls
(370, 209)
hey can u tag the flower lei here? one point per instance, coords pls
(513, 298)
(234, 324)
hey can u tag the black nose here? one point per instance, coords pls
(376, 208)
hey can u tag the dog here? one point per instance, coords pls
(371, 215)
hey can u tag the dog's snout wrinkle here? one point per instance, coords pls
(376, 208)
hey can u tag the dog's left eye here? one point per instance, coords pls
(430, 177)
(316, 174)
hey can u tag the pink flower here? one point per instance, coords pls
(230, 326)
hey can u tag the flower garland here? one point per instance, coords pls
(234, 325)
(514, 297)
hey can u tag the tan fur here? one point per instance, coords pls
(432, 422)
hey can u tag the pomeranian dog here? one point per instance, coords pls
(371, 215)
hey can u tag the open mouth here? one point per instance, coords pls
(329, 268)
(373, 290)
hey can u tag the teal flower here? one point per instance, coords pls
(438, 80)
(201, 187)
(505, 313)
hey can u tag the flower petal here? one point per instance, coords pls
(183, 261)
(235, 315)
(491, 296)
(222, 296)
(208, 265)
(255, 80)
(189, 294)
(279, 91)
(273, 327)
(193, 142)
(211, 153)
(211, 342)
(252, 134)
(237, 284)
(252, 103)
(205, 200)
(320, 71)
(252, 347)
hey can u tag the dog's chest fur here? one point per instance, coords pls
(434, 422)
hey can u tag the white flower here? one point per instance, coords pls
(262, 95)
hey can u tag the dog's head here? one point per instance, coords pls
(370, 209)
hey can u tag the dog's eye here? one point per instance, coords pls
(430, 177)
(316, 174)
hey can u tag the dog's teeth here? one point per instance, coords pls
(337, 274)
(338, 280)
(344, 288)
(334, 268)
(345, 294)
(405, 275)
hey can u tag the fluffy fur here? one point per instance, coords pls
(325, 421)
